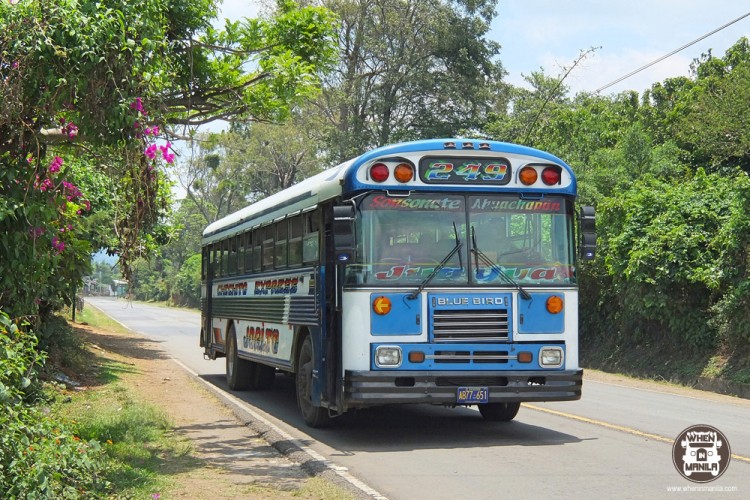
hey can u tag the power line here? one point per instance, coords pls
(670, 54)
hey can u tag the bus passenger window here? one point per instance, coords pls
(224, 258)
(295, 241)
(215, 269)
(248, 251)
(267, 235)
(280, 246)
(232, 256)
(257, 250)
(240, 253)
(310, 241)
(205, 254)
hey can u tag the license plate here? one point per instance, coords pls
(472, 395)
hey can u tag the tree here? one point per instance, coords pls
(228, 170)
(409, 69)
(103, 82)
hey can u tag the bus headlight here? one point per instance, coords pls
(387, 356)
(551, 357)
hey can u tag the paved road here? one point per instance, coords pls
(614, 443)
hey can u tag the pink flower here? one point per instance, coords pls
(150, 152)
(137, 105)
(58, 245)
(54, 167)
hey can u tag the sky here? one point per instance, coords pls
(628, 34)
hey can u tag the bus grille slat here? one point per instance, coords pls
(470, 325)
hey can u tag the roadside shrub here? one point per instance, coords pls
(39, 457)
(673, 263)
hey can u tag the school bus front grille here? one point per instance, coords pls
(470, 325)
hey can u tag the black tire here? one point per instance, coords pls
(314, 416)
(499, 412)
(239, 371)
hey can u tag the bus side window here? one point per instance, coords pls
(311, 240)
(248, 251)
(232, 256)
(223, 261)
(280, 245)
(295, 241)
(267, 235)
(205, 255)
(240, 253)
(257, 249)
(214, 251)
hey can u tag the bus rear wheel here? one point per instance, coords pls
(239, 371)
(314, 416)
(499, 412)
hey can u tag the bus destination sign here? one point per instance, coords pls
(465, 171)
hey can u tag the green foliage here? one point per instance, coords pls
(39, 457)
(186, 286)
(674, 255)
(97, 84)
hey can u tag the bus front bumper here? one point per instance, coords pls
(370, 388)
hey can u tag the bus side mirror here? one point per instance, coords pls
(343, 233)
(588, 233)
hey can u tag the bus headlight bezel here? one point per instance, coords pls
(551, 357)
(388, 356)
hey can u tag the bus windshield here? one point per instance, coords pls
(402, 239)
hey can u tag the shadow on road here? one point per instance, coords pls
(402, 427)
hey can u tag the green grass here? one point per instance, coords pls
(94, 317)
(138, 440)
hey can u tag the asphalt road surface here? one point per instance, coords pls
(616, 442)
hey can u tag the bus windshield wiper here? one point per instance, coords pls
(480, 256)
(440, 266)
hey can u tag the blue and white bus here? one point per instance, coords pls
(437, 271)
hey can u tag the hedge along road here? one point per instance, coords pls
(615, 442)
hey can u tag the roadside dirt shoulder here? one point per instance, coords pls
(233, 460)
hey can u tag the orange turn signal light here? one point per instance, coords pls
(555, 304)
(381, 305)
(416, 357)
(527, 176)
(525, 357)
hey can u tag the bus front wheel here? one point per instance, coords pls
(239, 371)
(314, 416)
(499, 412)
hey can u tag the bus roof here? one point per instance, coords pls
(348, 177)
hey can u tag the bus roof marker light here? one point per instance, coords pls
(484, 145)
(551, 176)
(468, 145)
(379, 172)
(527, 176)
(449, 145)
(403, 172)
